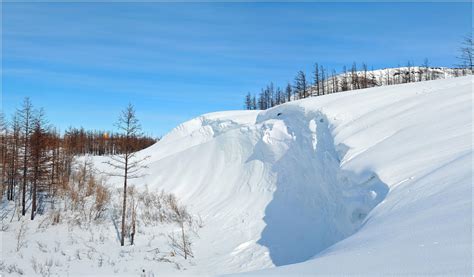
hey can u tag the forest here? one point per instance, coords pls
(37, 161)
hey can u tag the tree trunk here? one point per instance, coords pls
(132, 235)
(33, 204)
(122, 239)
(185, 250)
(25, 166)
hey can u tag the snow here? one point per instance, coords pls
(374, 181)
(417, 138)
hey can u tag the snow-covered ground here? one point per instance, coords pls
(374, 181)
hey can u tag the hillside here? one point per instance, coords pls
(373, 181)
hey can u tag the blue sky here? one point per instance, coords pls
(83, 62)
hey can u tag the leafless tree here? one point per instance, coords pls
(13, 145)
(129, 163)
(3, 153)
(288, 92)
(301, 85)
(344, 82)
(409, 69)
(355, 77)
(466, 51)
(322, 79)
(426, 68)
(365, 83)
(26, 115)
(39, 158)
(316, 81)
(335, 82)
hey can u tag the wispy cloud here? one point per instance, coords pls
(186, 58)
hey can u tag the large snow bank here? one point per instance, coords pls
(279, 186)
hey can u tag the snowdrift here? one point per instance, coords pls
(374, 181)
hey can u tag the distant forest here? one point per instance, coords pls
(324, 81)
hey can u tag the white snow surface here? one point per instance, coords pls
(374, 181)
(368, 182)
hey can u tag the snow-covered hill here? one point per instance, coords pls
(381, 176)
(374, 181)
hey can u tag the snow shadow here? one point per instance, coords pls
(316, 204)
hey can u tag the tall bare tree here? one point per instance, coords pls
(248, 102)
(316, 82)
(13, 145)
(322, 79)
(288, 92)
(26, 114)
(335, 82)
(466, 53)
(355, 77)
(301, 85)
(365, 78)
(3, 153)
(344, 82)
(129, 164)
(39, 158)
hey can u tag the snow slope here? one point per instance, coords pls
(381, 176)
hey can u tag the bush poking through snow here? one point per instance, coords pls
(20, 237)
(85, 202)
(86, 196)
(181, 243)
(13, 268)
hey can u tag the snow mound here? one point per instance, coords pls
(369, 181)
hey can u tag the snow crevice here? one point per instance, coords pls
(316, 202)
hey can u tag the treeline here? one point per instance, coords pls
(81, 142)
(36, 161)
(324, 81)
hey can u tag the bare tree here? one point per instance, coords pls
(426, 67)
(3, 153)
(248, 101)
(354, 77)
(322, 79)
(129, 163)
(335, 82)
(279, 99)
(409, 68)
(387, 73)
(26, 118)
(13, 146)
(466, 52)
(344, 82)
(365, 83)
(301, 85)
(316, 78)
(288, 92)
(39, 158)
